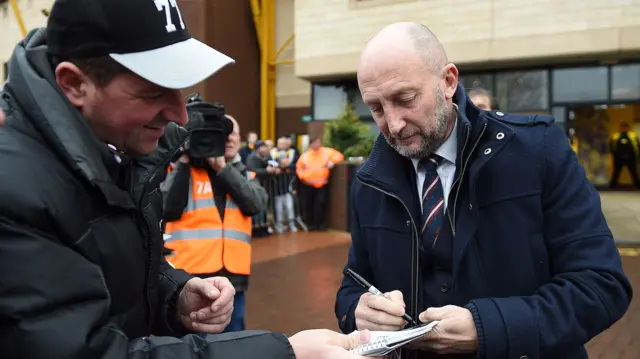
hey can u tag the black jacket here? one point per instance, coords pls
(80, 237)
(250, 197)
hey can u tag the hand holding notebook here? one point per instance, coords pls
(383, 343)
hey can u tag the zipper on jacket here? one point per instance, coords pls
(414, 253)
(452, 221)
(145, 184)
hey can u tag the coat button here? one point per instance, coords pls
(487, 151)
(444, 287)
(500, 135)
(408, 223)
(500, 113)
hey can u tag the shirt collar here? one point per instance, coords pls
(449, 149)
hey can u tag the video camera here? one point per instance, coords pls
(208, 129)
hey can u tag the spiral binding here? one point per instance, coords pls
(379, 343)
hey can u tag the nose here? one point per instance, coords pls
(175, 109)
(395, 122)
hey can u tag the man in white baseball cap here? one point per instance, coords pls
(93, 115)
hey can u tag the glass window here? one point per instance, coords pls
(328, 101)
(484, 81)
(587, 84)
(362, 110)
(625, 82)
(523, 91)
(559, 113)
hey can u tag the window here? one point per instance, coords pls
(484, 81)
(328, 101)
(559, 113)
(361, 108)
(523, 91)
(625, 82)
(586, 84)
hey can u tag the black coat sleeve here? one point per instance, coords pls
(255, 164)
(175, 192)
(62, 311)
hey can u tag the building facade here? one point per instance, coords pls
(226, 25)
(576, 59)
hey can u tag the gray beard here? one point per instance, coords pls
(431, 140)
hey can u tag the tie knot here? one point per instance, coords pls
(431, 163)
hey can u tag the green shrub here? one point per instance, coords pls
(348, 134)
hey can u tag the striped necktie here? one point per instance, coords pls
(432, 201)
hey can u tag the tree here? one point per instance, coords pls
(348, 134)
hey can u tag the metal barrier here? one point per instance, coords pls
(283, 210)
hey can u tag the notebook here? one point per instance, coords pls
(383, 343)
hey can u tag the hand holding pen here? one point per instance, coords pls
(378, 311)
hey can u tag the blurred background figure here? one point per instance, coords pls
(313, 170)
(246, 150)
(284, 156)
(482, 99)
(624, 148)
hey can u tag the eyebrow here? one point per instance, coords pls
(400, 91)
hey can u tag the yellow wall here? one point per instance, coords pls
(331, 33)
(290, 90)
(10, 31)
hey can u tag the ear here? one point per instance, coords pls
(450, 80)
(73, 83)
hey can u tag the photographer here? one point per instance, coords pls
(208, 204)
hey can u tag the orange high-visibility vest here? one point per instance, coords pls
(201, 242)
(312, 168)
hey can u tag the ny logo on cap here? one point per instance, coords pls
(166, 5)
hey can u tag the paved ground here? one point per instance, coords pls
(296, 291)
(622, 210)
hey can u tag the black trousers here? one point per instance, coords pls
(621, 162)
(314, 203)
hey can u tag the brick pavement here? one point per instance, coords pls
(285, 296)
(622, 340)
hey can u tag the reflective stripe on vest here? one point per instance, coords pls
(201, 242)
(317, 175)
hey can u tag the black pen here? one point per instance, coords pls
(373, 290)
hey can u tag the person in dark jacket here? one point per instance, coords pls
(246, 150)
(81, 211)
(481, 220)
(228, 177)
(258, 161)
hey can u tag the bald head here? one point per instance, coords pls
(236, 126)
(408, 83)
(403, 39)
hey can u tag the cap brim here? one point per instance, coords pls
(177, 66)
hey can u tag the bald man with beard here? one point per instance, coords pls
(481, 220)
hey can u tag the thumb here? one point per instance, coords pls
(356, 339)
(432, 314)
(205, 288)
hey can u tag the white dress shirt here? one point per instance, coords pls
(447, 169)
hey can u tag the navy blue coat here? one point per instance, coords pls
(533, 257)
